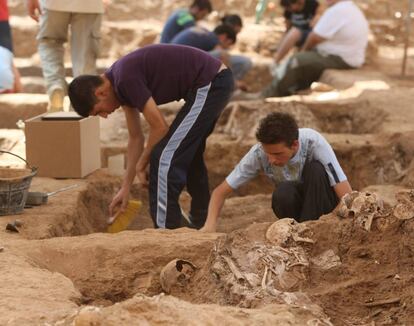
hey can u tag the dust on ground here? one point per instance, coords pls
(63, 269)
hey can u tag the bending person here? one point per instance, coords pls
(239, 64)
(182, 19)
(139, 82)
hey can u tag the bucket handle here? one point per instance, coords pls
(7, 152)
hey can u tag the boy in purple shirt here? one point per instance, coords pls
(139, 82)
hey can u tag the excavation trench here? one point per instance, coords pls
(106, 268)
(111, 268)
(363, 268)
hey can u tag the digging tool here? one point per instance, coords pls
(121, 221)
(39, 198)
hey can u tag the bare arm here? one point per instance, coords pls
(312, 40)
(318, 14)
(158, 129)
(135, 148)
(218, 197)
(33, 9)
(342, 188)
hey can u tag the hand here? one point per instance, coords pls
(34, 10)
(119, 203)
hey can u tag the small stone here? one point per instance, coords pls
(397, 277)
(1, 249)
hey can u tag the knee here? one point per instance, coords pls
(315, 168)
(284, 195)
(285, 191)
(286, 200)
(296, 32)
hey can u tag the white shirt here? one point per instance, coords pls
(79, 6)
(312, 147)
(6, 70)
(345, 29)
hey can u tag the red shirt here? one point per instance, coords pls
(4, 11)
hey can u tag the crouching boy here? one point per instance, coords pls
(308, 178)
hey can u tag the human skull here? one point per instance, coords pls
(404, 210)
(362, 206)
(285, 230)
(176, 273)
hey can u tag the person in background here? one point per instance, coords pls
(239, 64)
(185, 18)
(338, 41)
(55, 16)
(201, 38)
(300, 17)
(9, 75)
(308, 179)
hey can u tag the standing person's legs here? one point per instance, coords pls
(85, 40)
(172, 156)
(52, 34)
(287, 200)
(303, 69)
(197, 186)
(319, 197)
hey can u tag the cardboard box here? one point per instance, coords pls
(66, 147)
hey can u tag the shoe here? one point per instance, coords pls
(56, 100)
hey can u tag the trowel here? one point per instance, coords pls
(35, 198)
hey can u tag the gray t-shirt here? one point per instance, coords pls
(312, 147)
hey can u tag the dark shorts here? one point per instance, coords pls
(304, 35)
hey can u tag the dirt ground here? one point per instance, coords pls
(350, 268)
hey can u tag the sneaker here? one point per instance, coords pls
(56, 100)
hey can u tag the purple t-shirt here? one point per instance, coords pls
(164, 71)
